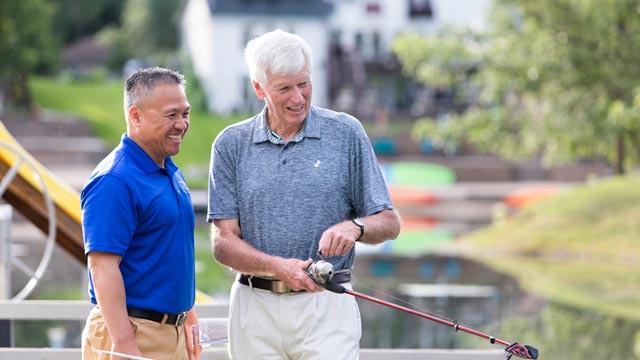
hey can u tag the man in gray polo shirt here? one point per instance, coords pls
(286, 185)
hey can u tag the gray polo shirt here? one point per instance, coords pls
(286, 195)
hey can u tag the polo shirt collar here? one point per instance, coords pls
(142, 159)
(311, 126)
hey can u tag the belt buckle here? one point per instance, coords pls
(182, 317)
(278, 287)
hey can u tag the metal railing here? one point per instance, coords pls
(78, 311)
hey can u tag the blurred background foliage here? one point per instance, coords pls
(550, 77)
(33, 34)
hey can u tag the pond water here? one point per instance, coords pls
(480, 298)
(492, 302)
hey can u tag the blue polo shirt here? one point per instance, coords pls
(134, 208)
(286, 195)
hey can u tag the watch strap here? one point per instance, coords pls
(361, 226)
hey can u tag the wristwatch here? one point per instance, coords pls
(361, 226)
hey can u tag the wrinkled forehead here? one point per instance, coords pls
(288, 77)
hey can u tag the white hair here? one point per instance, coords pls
(277, 53)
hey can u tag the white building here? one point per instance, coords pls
(346, 37)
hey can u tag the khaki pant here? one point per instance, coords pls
(155, 341)
(302, 326)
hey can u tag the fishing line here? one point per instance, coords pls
(322, 273)
(405, 302)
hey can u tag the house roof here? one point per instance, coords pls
(312, 8)
(87, 52)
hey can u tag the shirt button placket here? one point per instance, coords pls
(285, 147)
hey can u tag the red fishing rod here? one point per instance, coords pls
(322, 273)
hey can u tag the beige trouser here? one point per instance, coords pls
(300, 326)
(155, 341)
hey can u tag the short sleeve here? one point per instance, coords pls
(109, 215)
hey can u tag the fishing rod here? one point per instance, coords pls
(322, 273)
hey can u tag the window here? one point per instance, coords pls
(373, 8)
(376, 44)
(420, 8)
(359, 43)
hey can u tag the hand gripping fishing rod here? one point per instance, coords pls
(322, 273)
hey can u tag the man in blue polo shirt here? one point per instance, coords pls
(285, 185)
(138, 224)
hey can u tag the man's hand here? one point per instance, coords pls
(338, 239)
(193, 351)
(293, 273)
(127, 347)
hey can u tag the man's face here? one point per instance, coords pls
(160, 121)
(288, 98)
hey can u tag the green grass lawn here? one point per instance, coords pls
(579, 248)
(100, 104)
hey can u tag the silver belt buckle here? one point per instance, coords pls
(278, 287)
(182, 317)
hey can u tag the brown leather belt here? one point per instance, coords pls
(278, 287)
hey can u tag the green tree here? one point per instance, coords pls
(555, 78)
(75, 19)
(151, 26)
(115, 39)
(27, 44)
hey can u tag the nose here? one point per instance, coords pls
(297, 95)
(182, 123)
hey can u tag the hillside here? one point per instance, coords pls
(579, 248)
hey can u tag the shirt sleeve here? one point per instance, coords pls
(109, 215)
(223, 193)
(369, 187)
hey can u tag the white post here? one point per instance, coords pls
(6, 326)
(6, 215)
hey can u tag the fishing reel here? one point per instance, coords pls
(321, 272)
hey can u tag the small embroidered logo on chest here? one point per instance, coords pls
(183, 186)
(317, 163)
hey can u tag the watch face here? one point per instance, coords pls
(358, 222)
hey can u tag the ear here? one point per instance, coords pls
(134, 116)
(258, 89)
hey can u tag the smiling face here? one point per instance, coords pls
(288, 100)
(159, 121)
